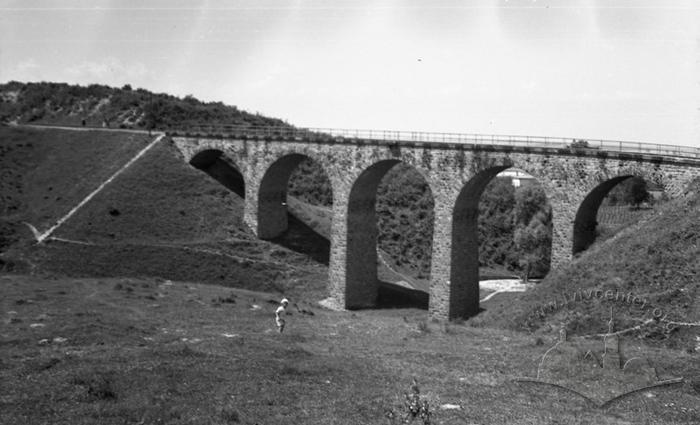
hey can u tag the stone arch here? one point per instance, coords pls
(585, 222)
(361, 281)
(221, 168)
(272, 218)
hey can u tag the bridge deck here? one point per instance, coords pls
(596, 147)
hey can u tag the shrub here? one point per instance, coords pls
(98, 386)
(229, 414)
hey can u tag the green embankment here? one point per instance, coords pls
(656, 260)
(160, 217)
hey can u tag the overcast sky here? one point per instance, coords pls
(609, 69)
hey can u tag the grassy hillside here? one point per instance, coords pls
(657, 260)
(614, 218)
(161, 217)
(45, 173)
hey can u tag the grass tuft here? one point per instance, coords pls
(229, 414)
(98, 386)
(423, 327)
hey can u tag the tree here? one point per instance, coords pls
(637, 191)
(632, 191)
(533, 245)
(153, 114)
(496, 224)
(529, 200)
(533, 231)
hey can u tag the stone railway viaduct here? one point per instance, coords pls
(575, 175)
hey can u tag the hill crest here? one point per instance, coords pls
(98, 105)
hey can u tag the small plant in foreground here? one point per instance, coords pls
(97, 386)
(450, 328)
(229, 414)
(413, 408)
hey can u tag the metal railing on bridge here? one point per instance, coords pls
(341, 135)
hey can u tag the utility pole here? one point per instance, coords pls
(150, 111)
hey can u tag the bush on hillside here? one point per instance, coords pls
(533, 231)
(405, 211)
(61, 103)
(632, 191)
(310, 184)
(496, 225)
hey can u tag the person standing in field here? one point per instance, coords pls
(279, 320)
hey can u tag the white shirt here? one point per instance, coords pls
(279, 312)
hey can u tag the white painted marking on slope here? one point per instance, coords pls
(63, 219)
(33, 229)
(54, 238)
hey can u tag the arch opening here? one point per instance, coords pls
(389, 240)
(610, 206)
(502, 228)
(295, 206)
(221, 169)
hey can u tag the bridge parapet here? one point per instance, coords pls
(544, 144)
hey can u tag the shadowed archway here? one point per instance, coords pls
(585, 222)
(272, 196)
(285, 220)
(363, 288)
(221, 169)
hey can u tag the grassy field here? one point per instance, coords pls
(122, 350)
